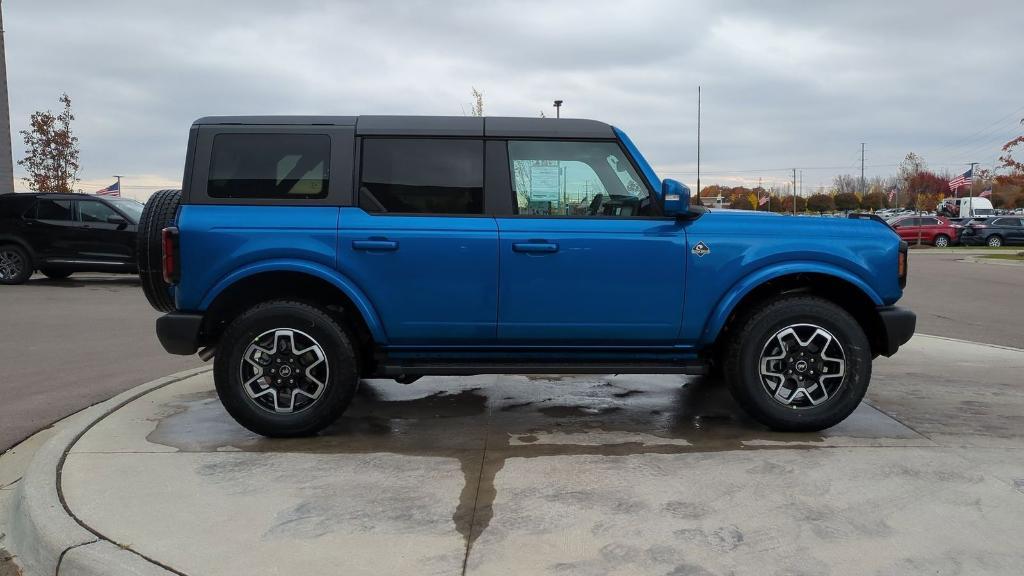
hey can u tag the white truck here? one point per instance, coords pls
(968, 207)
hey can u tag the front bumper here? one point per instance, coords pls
(179, 332)
(898, 326)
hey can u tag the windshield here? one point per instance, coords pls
(131, 208)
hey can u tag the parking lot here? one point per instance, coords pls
(616, 474)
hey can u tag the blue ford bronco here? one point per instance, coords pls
(304, 253)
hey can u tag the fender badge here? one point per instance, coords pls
(701, 249)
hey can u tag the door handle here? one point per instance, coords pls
(535, 247)
(376, 245)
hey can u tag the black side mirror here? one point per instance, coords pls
(118, 220)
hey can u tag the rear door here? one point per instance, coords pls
(418, 242)
(50, 229)
(587, 259)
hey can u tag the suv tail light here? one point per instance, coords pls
(903, 264)
(170, 265)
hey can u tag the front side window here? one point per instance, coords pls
(57, 210)
(566, 178)
(270, 166)
(422, 176)
(91, 211)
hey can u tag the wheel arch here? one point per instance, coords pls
(836, 285)
(301, 281)
(21, 243)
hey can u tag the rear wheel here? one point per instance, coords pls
(159, 213)
(995, 241)
(285, 369)
(15, 265)
(800, 363)
(941, 241)
(55, 273)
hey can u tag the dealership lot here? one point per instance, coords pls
(634, 474)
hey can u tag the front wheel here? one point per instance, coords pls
(800, 363)
(941, 241)
(995, 241)
(285, 369)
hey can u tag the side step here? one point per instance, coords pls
(420, 368)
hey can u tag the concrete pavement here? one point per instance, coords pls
(570, 475)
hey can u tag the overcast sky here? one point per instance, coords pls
(785, 84)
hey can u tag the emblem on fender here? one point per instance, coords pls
(700, 249)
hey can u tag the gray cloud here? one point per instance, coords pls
(785, 83)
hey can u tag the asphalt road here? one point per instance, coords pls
(65, 345)
(69, 344)
(981, 302)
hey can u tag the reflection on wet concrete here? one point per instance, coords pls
(483, 421)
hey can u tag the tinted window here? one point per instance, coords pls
(929, 222)
(553, 178)
(52, 210)
(270, 166)
(93, 211)
(1006, 222)
(422, 176)
(130, 207)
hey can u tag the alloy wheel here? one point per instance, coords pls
(802, 366)
(11, 264)
(284, 371)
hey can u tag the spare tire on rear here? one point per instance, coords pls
(159, 213)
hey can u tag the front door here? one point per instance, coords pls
(418, 243)
(103, 235)
(587, 260)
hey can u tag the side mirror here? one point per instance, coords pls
(675, 198)
(118, 220)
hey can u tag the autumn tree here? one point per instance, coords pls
(845, 184)
(846, 201)
(1007, 158)
(912, 164)
(787, 203)
(820, 203)
(874, 200)
(924, 191)
(741, 203)
(51, 158)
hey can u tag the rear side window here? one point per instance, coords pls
(270, 166)
(1007, 222)
(422, 176)
(51, 210)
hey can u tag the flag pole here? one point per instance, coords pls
(118, 176)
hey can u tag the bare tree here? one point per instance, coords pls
(477, 108)
(51, 159)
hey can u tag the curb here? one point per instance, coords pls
(45, 536)
(986, 344)
(980, 260)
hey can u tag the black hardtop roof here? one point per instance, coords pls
(494, 126)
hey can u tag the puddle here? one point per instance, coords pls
(484, 421)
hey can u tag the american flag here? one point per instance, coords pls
(892, 194)
(986, 193)
(763, 200)
(961, 180)
(112, 190)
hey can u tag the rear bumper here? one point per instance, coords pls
(899, 324)
(179, 332)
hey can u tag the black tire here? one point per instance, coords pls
(15, 264)
(56, 273)
(757, 332)
(341, 378)
(994, 241)
(159, 213)
(941, 241)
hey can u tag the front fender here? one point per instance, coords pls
(324, 273)
(746, 284)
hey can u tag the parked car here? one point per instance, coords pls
(60, 234)
(994, 232)
(935, 230)
(305, 253)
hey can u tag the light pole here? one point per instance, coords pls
(558, 108)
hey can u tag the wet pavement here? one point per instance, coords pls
(629, 474)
